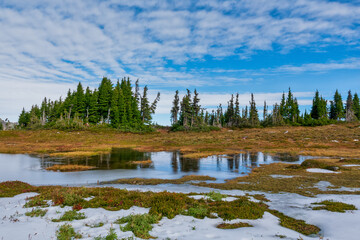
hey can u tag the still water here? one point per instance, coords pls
(117, 164)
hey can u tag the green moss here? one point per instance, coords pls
(36, 212)
(67, 232)
(334, 206)
(70, 216)
(139, 224)
(198, 211)
(297, 225)
(216, 196)
(241, 208)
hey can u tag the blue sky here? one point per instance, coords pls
(217, 47)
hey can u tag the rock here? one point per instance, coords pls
(333, 168)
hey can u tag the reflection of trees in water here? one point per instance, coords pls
(184, 164)
(174, 161)
(118, 159)
(286, 157)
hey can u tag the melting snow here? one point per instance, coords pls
(319, 170)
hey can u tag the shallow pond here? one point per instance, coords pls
(118, 164)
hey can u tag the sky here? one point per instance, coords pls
(217, 47)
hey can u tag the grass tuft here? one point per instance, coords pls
(233, 225)
(111, 236)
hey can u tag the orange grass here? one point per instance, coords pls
(331, 140)
(69, 168)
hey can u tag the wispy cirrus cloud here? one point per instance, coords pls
(63, 41)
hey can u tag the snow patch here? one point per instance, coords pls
(351, 165)
(319, 170)
(280, 176)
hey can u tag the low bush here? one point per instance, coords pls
(70, 216)
(36, 212)
(216, 196)
(67, 232)
(139, 224)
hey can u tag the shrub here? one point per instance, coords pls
(67, 232)
(36, 212)
(111, 236)
(198, 211)
(12, 188)
(216, 196)
(168, 204)
(139, 224)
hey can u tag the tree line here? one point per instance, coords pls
(120, 106)
(187, 113)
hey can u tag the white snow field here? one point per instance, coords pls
(335, 226)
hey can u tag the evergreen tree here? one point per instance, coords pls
(276, 118)
(195, 109)
(105, 97)
(80, 100)
(115, 113)
(356, 106)
(282, 107)
(253, 114)
(350, 114)
(154, 104)
(94, 115)
(229, 115)
(336, 107)
(265, 112)
(24, 118)
(145, 107)
(87, 98)
(237, 111)
(186, 111)
(319, 107)
(175, 108)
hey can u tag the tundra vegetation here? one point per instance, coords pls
(161, 204)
